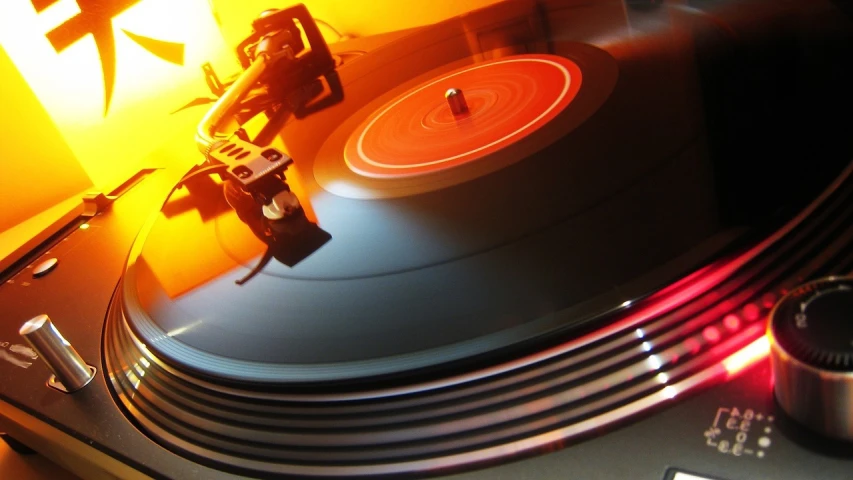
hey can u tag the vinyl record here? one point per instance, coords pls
(467, 253)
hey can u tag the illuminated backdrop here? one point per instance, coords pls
(110, 72)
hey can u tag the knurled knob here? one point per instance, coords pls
(811, 351)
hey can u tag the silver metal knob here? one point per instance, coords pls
(811, 340)
(70, 372)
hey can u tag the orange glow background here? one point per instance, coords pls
(37, 169)
(58, 140)
(346, 16)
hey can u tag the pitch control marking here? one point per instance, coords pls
(730, 432)
(25, 351)
(5, 355)
(12, 353)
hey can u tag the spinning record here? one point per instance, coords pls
(405, 139)
(504, 100)
(452, 232)
(500, 225)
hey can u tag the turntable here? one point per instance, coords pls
(543, 239)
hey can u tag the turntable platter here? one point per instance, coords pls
(532, 235)
(587, 252)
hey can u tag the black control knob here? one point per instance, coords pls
(811, 350)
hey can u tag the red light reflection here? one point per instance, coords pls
(768, 300)
(747, 356)
(693, 345)
(731, 322)
(751, 312)
(711, 334)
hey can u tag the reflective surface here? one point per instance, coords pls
(811, 339)
(655, 178)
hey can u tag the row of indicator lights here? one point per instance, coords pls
(759, 348)
(712, 334)
(734, 322)
(730, 323)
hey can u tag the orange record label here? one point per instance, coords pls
(417, 133)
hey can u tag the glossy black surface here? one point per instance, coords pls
(662, 347)
(675, 166)
(96, 430)
(89, 431)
